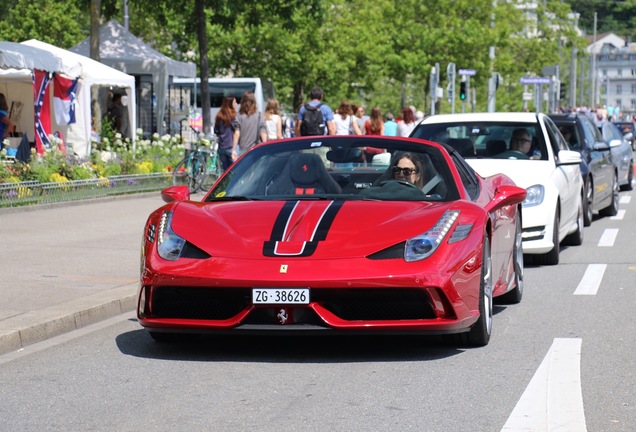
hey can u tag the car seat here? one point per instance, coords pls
(464, 146)
(304, 174)
(494, 147)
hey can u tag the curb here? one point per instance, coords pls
(36, 326)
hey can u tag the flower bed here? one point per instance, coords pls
(115, 166)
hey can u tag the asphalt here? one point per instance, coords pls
(65, 266)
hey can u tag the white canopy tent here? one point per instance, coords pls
(125, 52)
(17, 62)
(93, 73)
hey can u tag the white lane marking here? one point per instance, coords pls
(553, 400)
(608, 237)
(591, 280)
(625, 199)
(619, 216)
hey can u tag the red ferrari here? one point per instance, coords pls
(335, 235)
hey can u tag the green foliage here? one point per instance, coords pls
(372, 53)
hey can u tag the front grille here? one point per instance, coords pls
(199, 303)
(370, 304)
(362, 304)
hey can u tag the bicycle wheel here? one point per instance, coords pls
(184, 173)
(214, 171)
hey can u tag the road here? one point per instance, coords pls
(561, 360)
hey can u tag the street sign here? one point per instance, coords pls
(469, 72)
(534, 80)
(527, 96)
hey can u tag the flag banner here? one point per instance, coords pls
(64, 97)
(41, 109)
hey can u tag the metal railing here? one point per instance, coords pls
(33, 192)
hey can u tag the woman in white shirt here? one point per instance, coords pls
(344, 120)
(273, 120)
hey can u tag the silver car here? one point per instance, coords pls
(621, 154)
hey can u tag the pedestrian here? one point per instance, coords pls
(374, 126)
(249, 126)
(315, 117)
(6, 125)
(273, 120)
(360, 114)
(406, 126)
(390, 126)
(118, 115)
(224, 130)
(345, 121)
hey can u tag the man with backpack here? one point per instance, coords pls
(315, 117)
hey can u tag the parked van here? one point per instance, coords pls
(220, 88)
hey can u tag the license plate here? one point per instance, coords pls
(280, 296)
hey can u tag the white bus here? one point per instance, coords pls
(190, 89)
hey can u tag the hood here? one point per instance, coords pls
(320, 229)
(524, 173)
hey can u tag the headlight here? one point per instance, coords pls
(423, 245)
(535, 195)
(169, 244)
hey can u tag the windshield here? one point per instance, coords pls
(488, 140)
(343, 168)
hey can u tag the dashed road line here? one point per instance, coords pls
(591, 280)
(619, 216)
(553, 400)
(625, 199)
(608, 237)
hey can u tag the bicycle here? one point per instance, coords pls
(199, 169)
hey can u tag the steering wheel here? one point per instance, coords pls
(512, 153)
(402, 182)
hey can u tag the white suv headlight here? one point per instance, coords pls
(535, 195)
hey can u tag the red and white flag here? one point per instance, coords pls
(64, 96)
(42, 110)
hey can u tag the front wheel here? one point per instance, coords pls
(612, 209)
(552, 257)
(479, 334)
(514, 296)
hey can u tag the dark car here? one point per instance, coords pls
(628, 127)
(621, 153)
(600, 174)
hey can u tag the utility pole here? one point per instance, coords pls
(593, 102)
(450, 72)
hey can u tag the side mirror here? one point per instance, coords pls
(175, 193)
(601, 146)
(628, 136)
(568, 157)
(615, 143)
(506, 195)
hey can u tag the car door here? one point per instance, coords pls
(600, 162)
(567, 178)
(621, 155)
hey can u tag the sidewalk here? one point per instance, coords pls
(69, 265)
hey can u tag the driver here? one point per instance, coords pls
(409, 168)
(521, 141)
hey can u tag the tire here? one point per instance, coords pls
(612, 209)
(576, 238)
(184, 174)
(588, 202)
(514, 296)
(552, 257)
(630, 178)
(479, 334)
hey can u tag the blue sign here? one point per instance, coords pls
(469, 72)
(534, 80)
